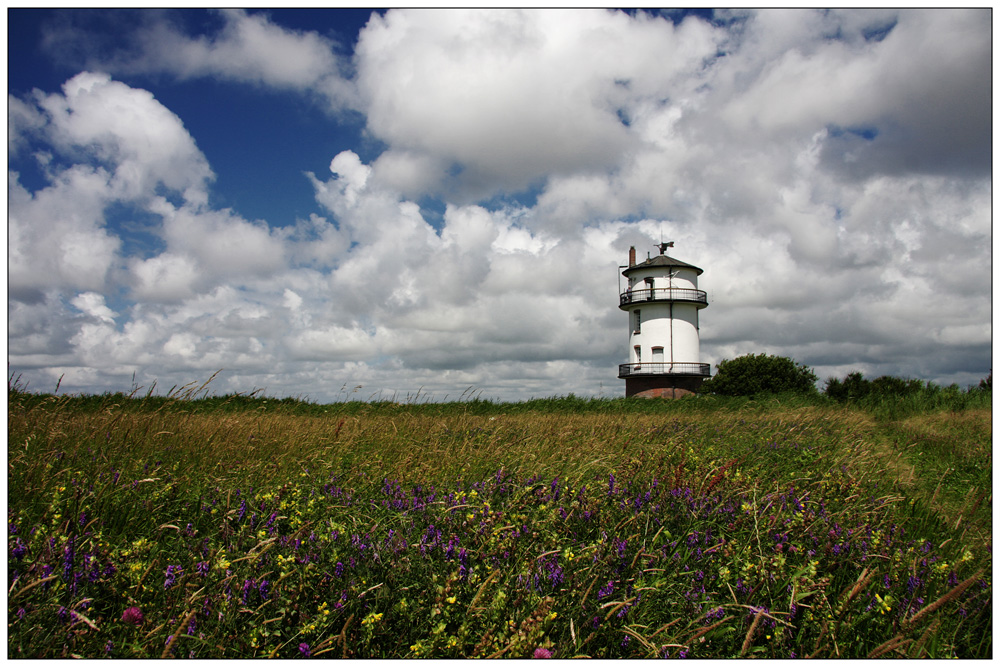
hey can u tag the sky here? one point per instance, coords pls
(421, 204)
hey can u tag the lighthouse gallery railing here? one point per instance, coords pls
(664, 368)
(664, 294)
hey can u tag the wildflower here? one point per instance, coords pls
(20, 548)
(171, 575)
(304, 649)
(132, 615)
(542, 653)
(109, 647)
(68, 559)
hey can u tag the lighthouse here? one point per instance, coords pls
(663, 301)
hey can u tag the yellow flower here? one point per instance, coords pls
(451, 600)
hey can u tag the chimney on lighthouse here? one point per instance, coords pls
(631, 256)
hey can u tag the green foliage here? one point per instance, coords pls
(892, 398)
(755, 374)
(855, 387)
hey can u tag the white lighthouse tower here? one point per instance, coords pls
(662, 300)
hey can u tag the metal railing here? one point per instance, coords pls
(664, 368)
(663, 294)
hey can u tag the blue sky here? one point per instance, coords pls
(433, 200)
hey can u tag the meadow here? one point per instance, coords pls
(200, 526)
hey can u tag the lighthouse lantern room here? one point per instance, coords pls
(663, 301)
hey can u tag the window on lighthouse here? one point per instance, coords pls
(638, 322)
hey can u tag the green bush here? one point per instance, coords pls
(754, 374)
(855, 387)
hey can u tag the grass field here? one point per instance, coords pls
(240, 527)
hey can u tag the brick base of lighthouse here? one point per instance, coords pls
(662, 387)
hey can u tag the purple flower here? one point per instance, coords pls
(109, 647)
(132, 615)
(541, 653)
(304, 649)
(68, 559)
(171, 575)
(20, 548)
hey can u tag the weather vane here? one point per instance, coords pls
(663, 246)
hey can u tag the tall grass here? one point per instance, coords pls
(242, 526)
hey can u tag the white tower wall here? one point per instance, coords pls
(680, 278)
(676, 333)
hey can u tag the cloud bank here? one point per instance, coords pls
(829, 170)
